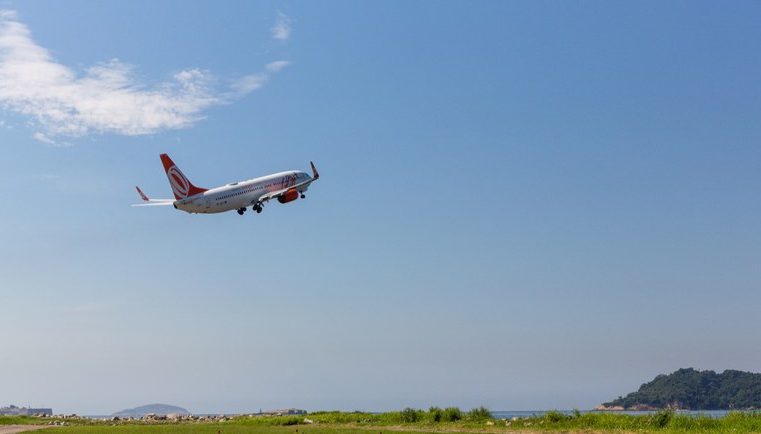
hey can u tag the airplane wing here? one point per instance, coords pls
(152, 202)
(277, 193)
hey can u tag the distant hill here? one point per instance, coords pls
(158, 409)
(695, 390)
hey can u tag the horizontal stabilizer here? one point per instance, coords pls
(155, 203)
(151, 202)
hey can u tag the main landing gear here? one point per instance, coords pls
(303, 196)
(256, 207)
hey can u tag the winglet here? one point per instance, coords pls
(142, 195)
(315, 174)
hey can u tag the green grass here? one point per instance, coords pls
(435, 420)
(18, 420)
(661, 422)
(213, 428)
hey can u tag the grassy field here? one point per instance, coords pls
(417, 421)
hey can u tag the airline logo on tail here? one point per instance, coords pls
(181, 185)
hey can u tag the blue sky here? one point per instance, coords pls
(522, 205)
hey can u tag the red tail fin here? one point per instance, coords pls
(181, 185)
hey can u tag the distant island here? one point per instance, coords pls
(157, 409)
(691, 389)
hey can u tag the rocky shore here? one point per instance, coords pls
(148, 419)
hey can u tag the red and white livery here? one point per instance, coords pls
(284, 186)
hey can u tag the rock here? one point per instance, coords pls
(308, 420)
(606, 408)
(643, 407)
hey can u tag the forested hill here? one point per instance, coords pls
(696, 390)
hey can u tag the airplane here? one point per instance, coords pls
(283, 186)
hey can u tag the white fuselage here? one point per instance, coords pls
(240, 194)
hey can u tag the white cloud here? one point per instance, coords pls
(277, 65)
(252, 82)
(249, 83)
(107, 97)
(281, 31)
(48, 177)
(43, 138)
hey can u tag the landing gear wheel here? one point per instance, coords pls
(258, 210)
(303, 196)
(241, 211)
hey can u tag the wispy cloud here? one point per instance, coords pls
(43, 138)
(105, 98)
(277, 65)
(281, 31)
(252, 82)
(249, 83)
(48, 177)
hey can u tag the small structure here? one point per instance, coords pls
(12, 410)
(284, 412)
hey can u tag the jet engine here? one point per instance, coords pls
(288, 196)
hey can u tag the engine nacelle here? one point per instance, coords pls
(288, 196)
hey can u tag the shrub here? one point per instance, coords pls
(554, 416)
(410, 415)
(435, 414)
(291, 420)
(480, 413)
(451, 414)
(662, 418)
